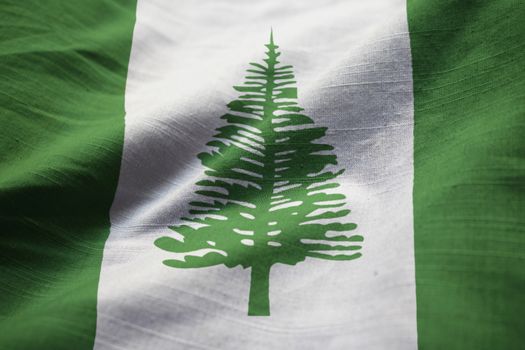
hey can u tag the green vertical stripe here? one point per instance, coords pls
(63, 66)
(469, 186)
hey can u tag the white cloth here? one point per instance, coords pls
(353, 67)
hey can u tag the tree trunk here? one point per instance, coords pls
(259, 303)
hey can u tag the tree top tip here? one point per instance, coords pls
(271, 43)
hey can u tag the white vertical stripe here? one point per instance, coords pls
(352, 63)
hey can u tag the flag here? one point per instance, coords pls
(262, 175)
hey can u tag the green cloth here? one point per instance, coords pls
(63, 69)
(469, 166)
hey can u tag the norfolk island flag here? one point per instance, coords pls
(226, 174)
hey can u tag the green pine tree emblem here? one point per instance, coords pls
(269, 196)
